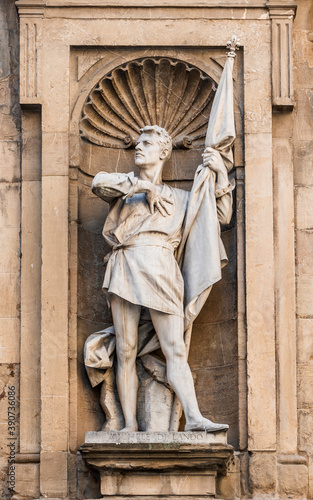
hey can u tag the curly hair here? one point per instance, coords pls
(164, 138)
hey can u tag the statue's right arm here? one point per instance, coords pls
(109, 186)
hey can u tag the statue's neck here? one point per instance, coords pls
(153, 175)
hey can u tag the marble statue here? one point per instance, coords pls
(166, 254)
(144, 228)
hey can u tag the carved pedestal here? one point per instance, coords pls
(149, 465)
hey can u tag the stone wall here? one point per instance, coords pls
(301, 132)
(282, 470)
(10, 228)
(288, 472)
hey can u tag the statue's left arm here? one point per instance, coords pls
(223, 188)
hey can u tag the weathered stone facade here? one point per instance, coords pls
(10, 223)
(257, 355)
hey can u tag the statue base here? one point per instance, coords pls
(147, 465)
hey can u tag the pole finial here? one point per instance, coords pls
(232, 45)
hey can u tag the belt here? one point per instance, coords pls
(122, 246)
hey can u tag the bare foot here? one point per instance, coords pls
(205, 425)
(133, 428)
(110, 426)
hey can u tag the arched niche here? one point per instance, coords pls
(107, 115)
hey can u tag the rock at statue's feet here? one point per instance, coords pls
(205, 425)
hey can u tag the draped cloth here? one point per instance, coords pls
(201, 219)
(221, 128)
(200, 254)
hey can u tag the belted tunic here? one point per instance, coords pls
(141, 267)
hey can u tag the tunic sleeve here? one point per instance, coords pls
(224, 203)
(109, 186)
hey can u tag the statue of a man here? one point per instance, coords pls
(144, 229)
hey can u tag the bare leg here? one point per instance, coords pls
(126, 318)
(170, 330)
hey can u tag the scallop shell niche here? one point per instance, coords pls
(150, 91)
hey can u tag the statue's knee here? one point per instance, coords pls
(176, 353)
(126, 354)
(179, 351)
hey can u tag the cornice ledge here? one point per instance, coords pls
(31, 8)
(282, 9)
(42, 4)
(31, 3)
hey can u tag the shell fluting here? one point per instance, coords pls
(151, 91)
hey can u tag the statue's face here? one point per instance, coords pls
(147, 151)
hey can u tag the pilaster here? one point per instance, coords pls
(282, 15)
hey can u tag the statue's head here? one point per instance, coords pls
(154, 145)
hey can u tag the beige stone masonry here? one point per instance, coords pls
(10, 233)
(285, 292)
(176, 484)
(260, 294)
(54, 346)
(304, 294)
(305, 340)
(305, 430)
(50, 76)
(30, 320)
(262, 472)
(241, 305)
(9, 343)
(30, 280)
(292, 481)
(55, 111)
(9, 167)
(53, 475)
(303, 155)
(55, 120)
(54, 307)
(310, 477)
(55, 153)
(303, 158)
(27, 480)
(304, 207)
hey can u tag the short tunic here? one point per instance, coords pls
(141, 267)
